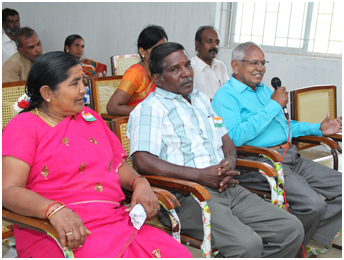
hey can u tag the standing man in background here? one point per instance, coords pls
(209, 73)
(10, 25)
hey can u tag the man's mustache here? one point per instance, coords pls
(214, 49)
(185, 81)
(13, 30)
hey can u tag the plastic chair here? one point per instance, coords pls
(120, 63)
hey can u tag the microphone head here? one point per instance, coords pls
(276, 83)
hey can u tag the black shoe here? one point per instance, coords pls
(218, 255)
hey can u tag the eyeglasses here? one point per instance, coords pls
(256, 62)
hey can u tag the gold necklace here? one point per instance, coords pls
(48, 120)
(146, 68)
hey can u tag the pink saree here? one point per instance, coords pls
(77, 162)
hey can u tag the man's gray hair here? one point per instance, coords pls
(240, 50)
(24, 31)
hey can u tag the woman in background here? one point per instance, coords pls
(75, 45)
(137, 82)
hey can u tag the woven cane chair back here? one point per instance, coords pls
(310, 104)
(11, 91)
(121, 132)
(120, 63)
(101, 90)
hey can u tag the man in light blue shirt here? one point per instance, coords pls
(253, 115)
(174, 132)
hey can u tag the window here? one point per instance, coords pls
(299, 28)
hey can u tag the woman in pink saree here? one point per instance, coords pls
(61, 161)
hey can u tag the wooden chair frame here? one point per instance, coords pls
(114, 61)
(44, 226)
(294, 103)
(188, 187)
(310, 141)
(96, 98)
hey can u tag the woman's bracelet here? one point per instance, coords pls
(51, 204)
(56, 210)
(133, 181)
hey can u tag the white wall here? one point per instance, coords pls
(112, 29)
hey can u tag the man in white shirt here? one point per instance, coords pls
(209, 73)
(10, 25)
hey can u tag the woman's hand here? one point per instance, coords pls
(69, 225)
(144, 195)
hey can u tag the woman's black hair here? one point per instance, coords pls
(49, 69)
(150, 36)
(70, 39)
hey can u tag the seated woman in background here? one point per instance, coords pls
(137, 82)
(61, 162)
(74, 44)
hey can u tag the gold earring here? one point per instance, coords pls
(48, 100)
(67, 50)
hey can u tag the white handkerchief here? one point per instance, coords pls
(138, 216)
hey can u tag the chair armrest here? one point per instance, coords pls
(181, 186)
(336, 137)
(109, 117)
(317, 140)
(40, 225)
(166, 197)
(255, 150)
(255, 165)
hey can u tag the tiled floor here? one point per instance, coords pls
(311, 153)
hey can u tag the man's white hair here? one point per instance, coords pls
(240, 50)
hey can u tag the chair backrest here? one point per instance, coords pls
(121, 132)
(310, 104)
(101, 90)
(11, 91)
(120, 63)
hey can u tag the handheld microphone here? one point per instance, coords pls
(276, 83)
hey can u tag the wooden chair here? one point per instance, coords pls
(11, 91)
(310, 104)
(101, 90)
(120, 63)
(182, 186)
(44, 226)
(9, 218)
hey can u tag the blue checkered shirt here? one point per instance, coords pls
(169, 127)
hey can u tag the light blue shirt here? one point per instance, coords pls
(253, 118)
(169, 127)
